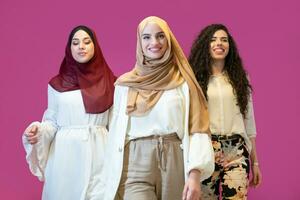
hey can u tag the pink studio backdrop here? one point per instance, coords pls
(33, 36)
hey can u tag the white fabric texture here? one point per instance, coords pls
(70, 150)
(197, 150)
(162, 116)
(224, 113)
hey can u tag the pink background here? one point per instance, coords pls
(33, 36)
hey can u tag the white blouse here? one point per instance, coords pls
(168, 116)
(70, 150)
(163, 118)
(224, 113)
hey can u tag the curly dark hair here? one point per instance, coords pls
(201, 60)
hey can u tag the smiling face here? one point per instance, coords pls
(154, 41)
(82, 47)
(219, 45)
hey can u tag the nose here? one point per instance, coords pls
(154, 41)
(81, 45)
(218, 42)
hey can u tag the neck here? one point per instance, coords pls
(217, 67)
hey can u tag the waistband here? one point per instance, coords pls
(225, 137)
(87, 130)
(170, 137)
(82, 127)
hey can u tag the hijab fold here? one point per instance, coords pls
(150, 78)
(94, 78)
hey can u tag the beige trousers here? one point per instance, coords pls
(153, 169)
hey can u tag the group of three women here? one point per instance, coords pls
(165, 136)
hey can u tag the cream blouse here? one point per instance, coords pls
(224, 113)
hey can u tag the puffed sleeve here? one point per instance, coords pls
(249, 120)
(37, 154)
(201, 155)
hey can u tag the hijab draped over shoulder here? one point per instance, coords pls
(150, 78)
(94, 78)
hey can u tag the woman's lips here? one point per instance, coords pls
(155, 50)
(82, 53)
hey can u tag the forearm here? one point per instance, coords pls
(253, 154)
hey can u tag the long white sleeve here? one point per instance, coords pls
(37, 154)
(201, 155)
(250, 121)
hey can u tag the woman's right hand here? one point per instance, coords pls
(31, 134)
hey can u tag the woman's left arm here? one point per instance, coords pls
(251, 132)
(200, 164)
(256, 174)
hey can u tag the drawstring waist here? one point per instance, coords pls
(87, 129)
(81, 127)
(160, 140)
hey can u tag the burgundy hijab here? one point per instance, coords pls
(94, 78)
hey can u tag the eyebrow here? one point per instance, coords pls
(146, 34)
(221, 37)
(83, 38)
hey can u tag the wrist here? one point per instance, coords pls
(255, 163)
(195, 174)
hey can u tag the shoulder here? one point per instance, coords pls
(120, 89)
(184, 87)
(52, 90)
(120, 93)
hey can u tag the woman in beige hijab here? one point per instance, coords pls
(159, 145)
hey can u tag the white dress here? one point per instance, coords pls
(70, 151)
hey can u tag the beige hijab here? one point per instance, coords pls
(150, 78)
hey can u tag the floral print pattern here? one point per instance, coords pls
(231, 175)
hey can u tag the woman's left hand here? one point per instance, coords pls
(256, 176)
(192, 190)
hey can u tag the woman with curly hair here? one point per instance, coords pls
(219, 70)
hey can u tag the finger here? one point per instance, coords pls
(32, 142)
(34, 128)
(28, 134)
(184, 193)
(28, 129)
(190, 195)
(255, 178)
(32, 139)
(259, 179)
(32, 136)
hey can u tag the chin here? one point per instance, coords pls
(84, 60)
(219, 57)
(157, 56)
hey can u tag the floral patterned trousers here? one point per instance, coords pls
(231, 175)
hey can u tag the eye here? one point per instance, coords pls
(75, 43)
(225, 40)
(146, 37)
(87, 41)
(161, 36)
(212, 39)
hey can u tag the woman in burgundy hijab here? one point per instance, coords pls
(66, 149)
